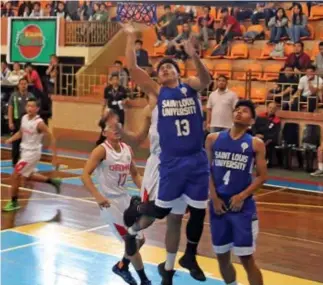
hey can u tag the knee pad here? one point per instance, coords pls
(161, 213)
(196, 214)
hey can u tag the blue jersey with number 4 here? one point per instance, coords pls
(180, 121)
(232, 164)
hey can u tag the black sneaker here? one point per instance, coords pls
(190, 263)
(130, 244)
(125, 274)
(166, 275)
(131, 214)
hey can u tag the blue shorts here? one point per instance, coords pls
(235, 230)
(184, 179)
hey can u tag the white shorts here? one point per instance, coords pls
(113, 216)
(150, 185)
(28, 162)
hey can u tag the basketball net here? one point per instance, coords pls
(137, 12)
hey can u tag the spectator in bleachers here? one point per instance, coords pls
(229, 28)
(7, 11)
(176, 46)
(141, 54)
(263, 11)
(318, 62)
(37, 11)
(115, 96)
(309, 88)
(34, 78)
(220, 106)
(285, 87)
(60, 11)
(100, 13)
(267, 127)
(166, 27)
(319, 171)
(23, 11)
(242, 13)
(52, 74)
(16, 74)
(187, 16)
(83, 13)
(205, 24)
(47, 10)
(299, 60)
(123, 75)
(5, 71)
(298, 24)
(278, 26)
(71, 8)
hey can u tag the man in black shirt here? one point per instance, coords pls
(141, 54)
(286, 86)
(115, 98)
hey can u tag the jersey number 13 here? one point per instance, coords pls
(183, 127)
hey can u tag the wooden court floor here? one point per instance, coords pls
(290, 241)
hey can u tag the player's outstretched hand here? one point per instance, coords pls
(219, 206)
(236, 203)
(102, 201)
(189, 46)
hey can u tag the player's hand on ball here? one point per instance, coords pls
(102, 201)
(219, 206)
(236, 203)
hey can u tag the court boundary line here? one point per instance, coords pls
(270, 192)
(184, 218)
(66, 243)
(290, 205)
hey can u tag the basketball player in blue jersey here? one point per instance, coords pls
(233, 217)
(183, 169)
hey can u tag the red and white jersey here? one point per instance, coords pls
(31, 137)
(112, 173)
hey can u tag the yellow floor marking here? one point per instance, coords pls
(152, 254)
(290, 205)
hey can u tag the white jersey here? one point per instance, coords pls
(113, 171)
(153, 133)
(31, 137)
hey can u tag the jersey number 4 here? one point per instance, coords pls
(122, 179)
(226, 177)
(183, 127)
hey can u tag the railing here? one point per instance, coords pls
(241, 82)
(89, 33)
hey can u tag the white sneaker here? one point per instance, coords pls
(317, 173)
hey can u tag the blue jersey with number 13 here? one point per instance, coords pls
(180, 121)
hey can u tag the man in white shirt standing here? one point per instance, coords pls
(220, 106)
(309, 90)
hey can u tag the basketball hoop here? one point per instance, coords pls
(137, 12)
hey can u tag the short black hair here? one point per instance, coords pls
(22, 79)
(28, 64)
(311, 67)
(168, 60)
(321, 44)
(222, 76)
(139, 42)
(224, 10)
(301, 43)
(166, 7)
(33, 99)
(114, 74)
(118, 62)
(249, 104)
